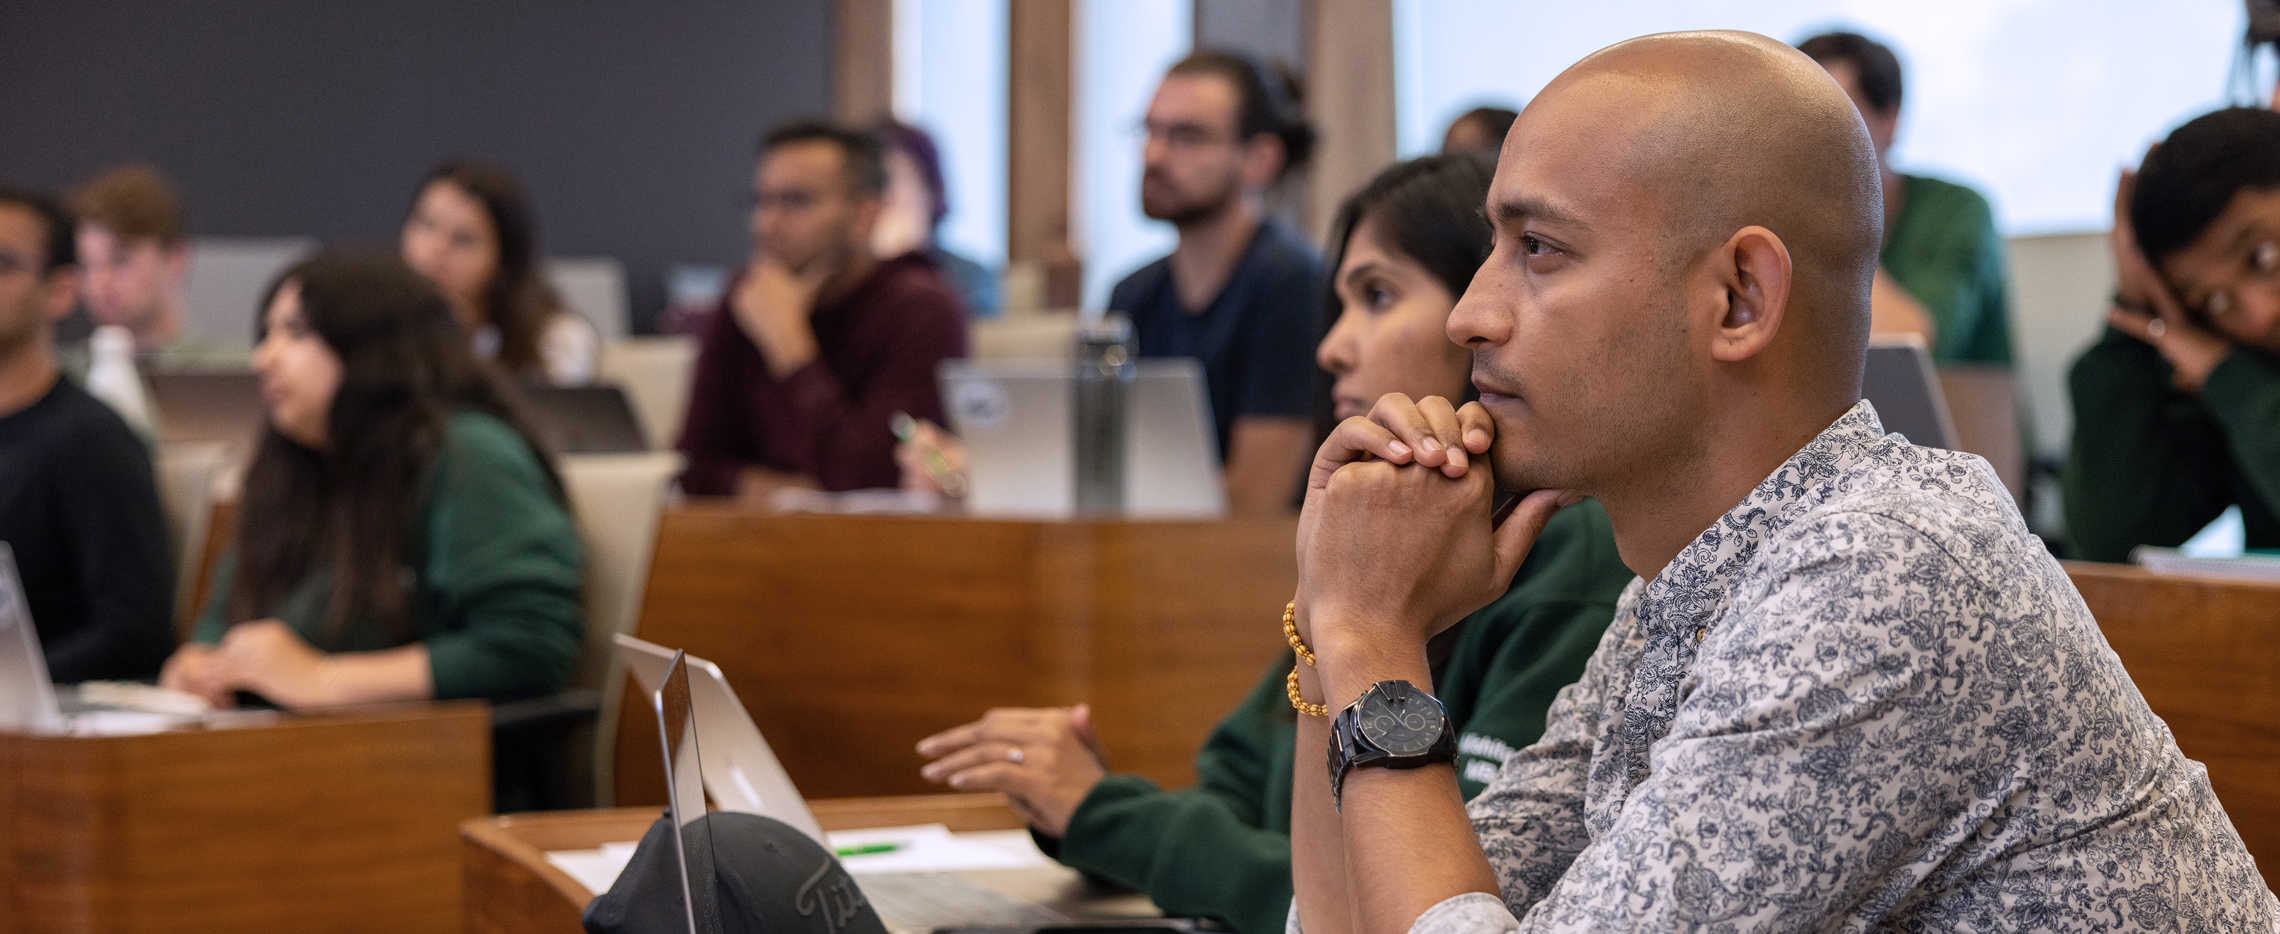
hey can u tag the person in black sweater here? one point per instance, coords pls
(77, 502)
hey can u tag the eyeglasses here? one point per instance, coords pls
(1182, 135)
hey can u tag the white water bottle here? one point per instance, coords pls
(111, 377)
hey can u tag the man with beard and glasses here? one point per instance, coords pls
(1239, 292)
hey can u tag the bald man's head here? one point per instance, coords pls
(1686, 223)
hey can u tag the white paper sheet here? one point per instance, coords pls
(919, 848)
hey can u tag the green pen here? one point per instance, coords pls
(937, 467)
(868, 849)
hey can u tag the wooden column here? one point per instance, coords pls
(1350, 98)
(1041, 145)
(863, 60)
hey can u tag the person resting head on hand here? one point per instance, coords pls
(401, 535)
(1403, 249)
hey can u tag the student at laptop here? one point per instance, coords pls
(819, 342)
(401, 536)
(1405, 246)
(77, 502)
(2177, 408)
(1238, 291)
(471, 230)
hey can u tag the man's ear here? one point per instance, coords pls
(1753, 271)
(177, 259)
(1262, 161)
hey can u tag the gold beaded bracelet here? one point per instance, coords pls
(1290, 632)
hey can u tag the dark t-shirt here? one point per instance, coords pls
(829, 421)
(80, 510)
(1255, 340)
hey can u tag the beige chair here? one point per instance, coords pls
(186, 472)
(617, 498)
(655, 372)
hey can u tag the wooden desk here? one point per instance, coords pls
(331, 823)
(850, 638)
(512, 888)
(2201, 651)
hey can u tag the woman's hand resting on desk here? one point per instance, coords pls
(1044, 761)
(197, 668)
(265, 657)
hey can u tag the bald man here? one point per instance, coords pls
(1850, 692)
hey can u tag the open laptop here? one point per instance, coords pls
(685, 794)
(594, 419)
(1018, 421)
(739, 769)
(27, 697)
(691, 697)
(1900, 382)
(29, 701)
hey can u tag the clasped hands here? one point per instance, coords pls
(1396, 541)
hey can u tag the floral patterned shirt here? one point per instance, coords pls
(1865, 699)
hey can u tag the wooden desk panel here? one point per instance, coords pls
(335, 823)
(850, 638)
(2201, 651)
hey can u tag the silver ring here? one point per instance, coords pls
(2156, 328)
(1013, 755)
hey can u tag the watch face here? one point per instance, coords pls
(1402, 722)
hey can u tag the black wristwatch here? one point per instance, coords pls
(1393, 725)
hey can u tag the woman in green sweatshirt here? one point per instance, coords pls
(1405, 247)
(400, 536)
(2177, 407)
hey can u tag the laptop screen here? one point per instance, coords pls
(685, 796)
(27, 698)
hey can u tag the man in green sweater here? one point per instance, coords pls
(1221, 849)
(2177, 407)
(1940, 272)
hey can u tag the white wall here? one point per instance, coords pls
(1122, 48)
(950, 80)
(2034, 102)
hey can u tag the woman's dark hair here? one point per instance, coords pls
(1495, 123)
(517, 301)
(1272, 101)
(1873, 61)
(2190, 177)
(350, 509)
(911, 141)
(1429, 210)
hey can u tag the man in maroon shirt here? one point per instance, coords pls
(819, 342)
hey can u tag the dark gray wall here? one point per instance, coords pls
(632, 123)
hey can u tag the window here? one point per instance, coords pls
(2036, 104)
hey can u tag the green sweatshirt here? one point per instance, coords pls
(1222, 849)
(2150, 465)
(496, 594)
(1944, 250)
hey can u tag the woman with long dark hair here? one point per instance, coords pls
(471, 230)
(401, 536)
(1404, 249)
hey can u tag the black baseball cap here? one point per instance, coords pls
(767, 876)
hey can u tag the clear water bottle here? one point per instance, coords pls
(111, 377)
